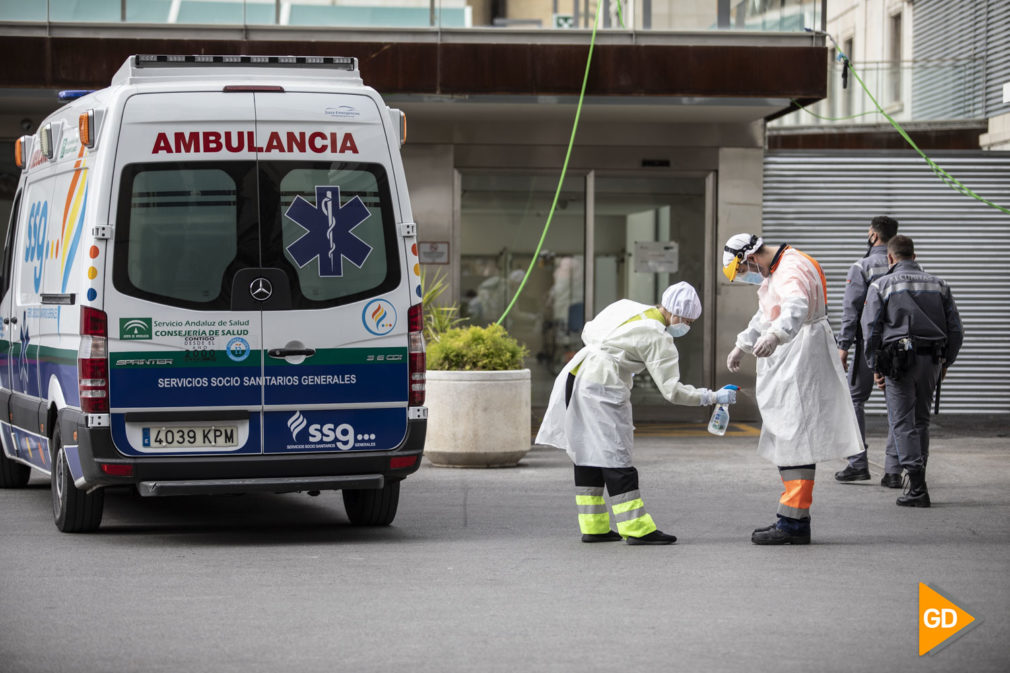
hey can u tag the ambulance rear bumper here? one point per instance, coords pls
(266, 485)
(276, 473)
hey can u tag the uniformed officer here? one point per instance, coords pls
(913, 333)
(860, 377)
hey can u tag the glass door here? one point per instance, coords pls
(502, 216)
(649, 232)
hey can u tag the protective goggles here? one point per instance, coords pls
(739, 255)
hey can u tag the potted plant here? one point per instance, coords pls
(478, 393)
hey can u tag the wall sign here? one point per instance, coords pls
(433, 252)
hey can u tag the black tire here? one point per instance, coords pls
(372, 506)
(13, 474)
(74, 511)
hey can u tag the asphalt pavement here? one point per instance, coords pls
(483, 570)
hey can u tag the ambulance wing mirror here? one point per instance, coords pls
(22, 150)
(399, 120)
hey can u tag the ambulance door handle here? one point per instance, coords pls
(288, 352)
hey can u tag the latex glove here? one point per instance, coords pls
(733, 360)
(707, 397)
(726, 395)
(766, 345)
(843, 355)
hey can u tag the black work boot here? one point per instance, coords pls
(609, 536)
(792, 531)
(655, 537)
(915, 494)
(852, 474)
(891, 481)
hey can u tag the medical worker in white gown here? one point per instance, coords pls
(806, 412)
(589, 413)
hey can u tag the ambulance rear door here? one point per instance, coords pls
(335, 340)
(185, 346)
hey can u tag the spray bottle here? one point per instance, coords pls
(720, 417)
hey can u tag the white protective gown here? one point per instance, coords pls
(806, 410)
(596, 428)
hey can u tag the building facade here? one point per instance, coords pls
(941, 70)
(666, 162)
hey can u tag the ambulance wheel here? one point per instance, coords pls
(12, 474)
(74, 511)
(372, 506)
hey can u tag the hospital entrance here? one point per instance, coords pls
(642, 233)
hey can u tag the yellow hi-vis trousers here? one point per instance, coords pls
(625, 499)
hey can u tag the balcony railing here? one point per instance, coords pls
(908, 91)
(676, 15)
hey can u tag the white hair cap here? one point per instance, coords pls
(682, 300)
(738, 244)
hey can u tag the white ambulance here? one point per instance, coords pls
(210, 284)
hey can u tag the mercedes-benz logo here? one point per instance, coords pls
(261, 289)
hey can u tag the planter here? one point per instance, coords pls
(477, 418)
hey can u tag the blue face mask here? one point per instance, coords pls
(752, 277)
(678, 330)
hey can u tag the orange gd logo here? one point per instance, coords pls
(940, 620)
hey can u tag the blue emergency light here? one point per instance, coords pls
(72, 94)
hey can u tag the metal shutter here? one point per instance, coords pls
(822, 203)
(961, 52)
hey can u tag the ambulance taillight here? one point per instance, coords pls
(93, 361)
(255, 88)
(86, 128)
(416, 367)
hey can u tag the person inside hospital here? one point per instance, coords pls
(806, 414)
(589, 413)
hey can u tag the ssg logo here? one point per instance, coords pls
(134, 329)
(35, 239)
(296, 424)
(328, 233)
(379, 317)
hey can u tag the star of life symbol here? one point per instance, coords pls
(328, 233)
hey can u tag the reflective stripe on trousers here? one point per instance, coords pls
(625, 499)
(799, 491)
(629, 512)
(592, 508)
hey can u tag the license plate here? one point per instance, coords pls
(182, 436)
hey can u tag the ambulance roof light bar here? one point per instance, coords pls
(347, 63)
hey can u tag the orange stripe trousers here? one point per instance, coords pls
(799, 491)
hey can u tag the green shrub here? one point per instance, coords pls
(437, 319)
(477, 348)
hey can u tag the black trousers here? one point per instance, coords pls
(617, 479)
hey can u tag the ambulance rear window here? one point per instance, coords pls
(185, 229)
(332, 226)
(182, 231)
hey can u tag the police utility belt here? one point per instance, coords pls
(897, 357)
